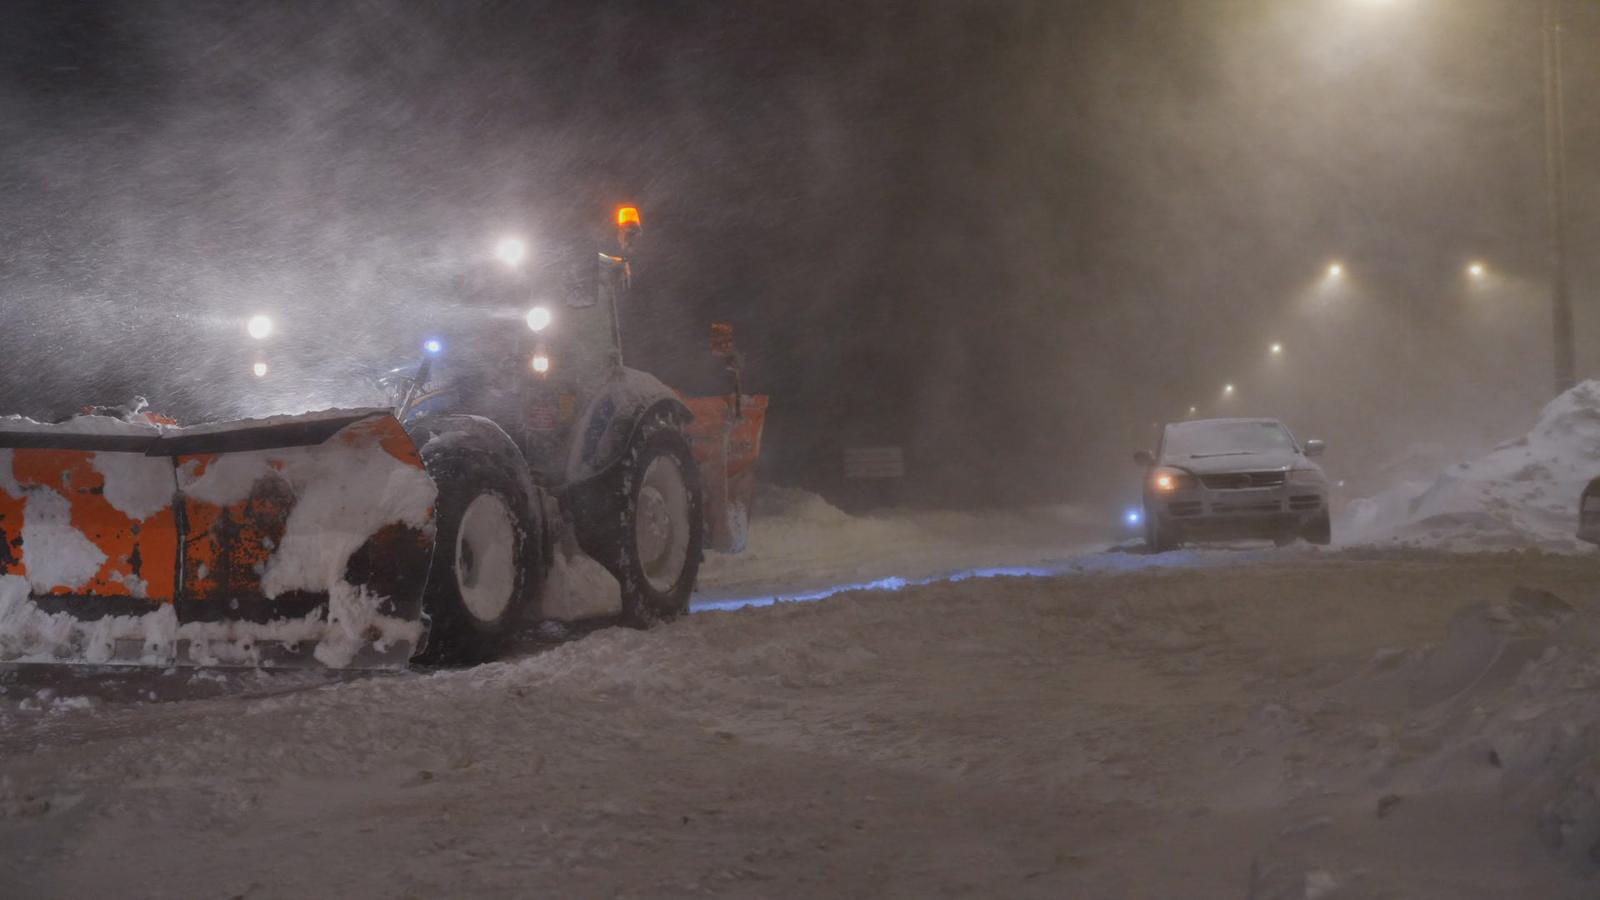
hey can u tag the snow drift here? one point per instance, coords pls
(1522, 494)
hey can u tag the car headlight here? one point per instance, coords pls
(1307, 477)
(538, 319)
(1165, 481)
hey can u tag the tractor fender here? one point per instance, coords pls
(606, 428)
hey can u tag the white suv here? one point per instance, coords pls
(1219, 479)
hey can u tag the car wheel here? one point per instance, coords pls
(1320, 530)
(1157, 537)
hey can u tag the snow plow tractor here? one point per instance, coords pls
(518, 474)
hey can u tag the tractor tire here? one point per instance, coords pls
(485, 552)
(645, 522)
(1319, 531)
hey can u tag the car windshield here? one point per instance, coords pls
(1200, 439)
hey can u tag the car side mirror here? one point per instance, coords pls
(1144, 458)
(1315, 448)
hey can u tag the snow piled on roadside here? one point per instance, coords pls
(1522, 494)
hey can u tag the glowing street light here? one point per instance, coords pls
(259, 327)
(1277, 349)
(1193, 410)
(511, 251)
(260, 369)
(1476, 270)
(1555, 188)
(1335, 270)
(538, 319)
(1227, 390)
(541, 363)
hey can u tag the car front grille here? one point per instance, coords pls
(1305, 502)
(1270, 506)
(1234, 481)
(1184, 508)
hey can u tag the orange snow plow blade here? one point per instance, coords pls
(726, 439)
(297, 540)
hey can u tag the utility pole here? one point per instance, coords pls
(1555, 136)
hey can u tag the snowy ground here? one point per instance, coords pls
(803, 548)
(1362, 724)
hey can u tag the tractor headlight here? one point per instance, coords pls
(511, 251)
(1165, 481)
(538, 319)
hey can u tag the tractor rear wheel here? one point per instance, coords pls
(644, 520)
(662, 533)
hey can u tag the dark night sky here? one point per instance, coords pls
(1009, 235)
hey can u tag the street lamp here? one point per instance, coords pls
(1227, 390)
(1555, 149)
(1335, 270)
(1277, 349)
(1476, 271)
(1555, 167)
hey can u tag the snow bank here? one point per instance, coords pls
(1509, 698)
(1522, 494)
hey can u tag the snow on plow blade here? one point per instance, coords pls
(726, 439)
(276, 542)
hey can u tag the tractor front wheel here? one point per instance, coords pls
(485, 551)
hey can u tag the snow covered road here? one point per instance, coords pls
(801, 547)
(1359, 724)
